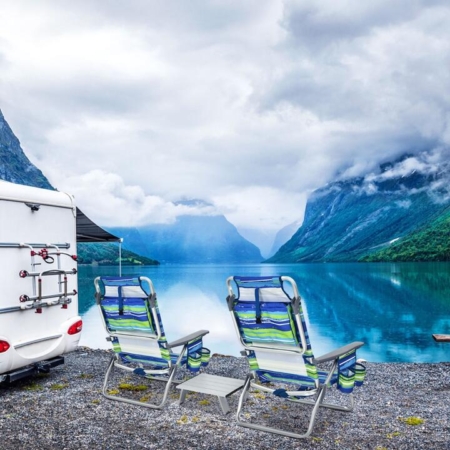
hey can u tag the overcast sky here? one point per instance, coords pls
(132, 105)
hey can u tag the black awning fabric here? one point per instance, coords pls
(88, 231)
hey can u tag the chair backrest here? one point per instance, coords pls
(272, 328)
(131, 317)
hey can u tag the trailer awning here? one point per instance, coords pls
(88, 231)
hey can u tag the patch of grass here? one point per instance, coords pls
(394, 434)
(183, 420)
(33, 387)
(132, 387)
(95, 402)
(42, 375)
(413, 420)
(113, 391)
(86, 376)
(259, 395)
(204, 402)
(58, 386)
(195, 419)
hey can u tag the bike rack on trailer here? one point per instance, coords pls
(37, 300)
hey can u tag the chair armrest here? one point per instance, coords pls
(186, 339)
(338, 352)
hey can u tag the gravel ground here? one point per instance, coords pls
(65, 410)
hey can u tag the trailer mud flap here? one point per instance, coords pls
(39, 367)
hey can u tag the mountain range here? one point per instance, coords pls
(14, 164)
(399, 212)
(190, 239)
(386, 215)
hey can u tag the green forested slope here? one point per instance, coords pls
(353, 219)
(430, 243)
(108, 254)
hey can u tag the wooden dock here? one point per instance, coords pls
(441, 337)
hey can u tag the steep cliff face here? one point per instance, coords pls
(17, 168)
(428, 243)
(284, 235)
(348, 220)
(14, 165)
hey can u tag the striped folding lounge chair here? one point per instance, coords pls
(271, 327)
(130, 314)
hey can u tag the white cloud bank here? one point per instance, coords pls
(116, 204)
(248, 105)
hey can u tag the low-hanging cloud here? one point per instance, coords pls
(248, 105)
(113, 203)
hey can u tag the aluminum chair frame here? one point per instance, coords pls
(166, 375)
(320, 388)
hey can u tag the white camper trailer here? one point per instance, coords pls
(39, 318)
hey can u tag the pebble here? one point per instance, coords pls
(66, 410)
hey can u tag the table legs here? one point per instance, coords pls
(223, 402)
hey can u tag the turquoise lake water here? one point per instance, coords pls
(394, 308)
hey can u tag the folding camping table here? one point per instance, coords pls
(222, 387)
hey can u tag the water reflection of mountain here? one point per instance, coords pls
(208, 278)
(393, 309)
(86, 290)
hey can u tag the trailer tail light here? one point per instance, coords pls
(4, 346)
(75, 328)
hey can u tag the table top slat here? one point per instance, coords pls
(212, 384)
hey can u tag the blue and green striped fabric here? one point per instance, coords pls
(275, 326)
(350, 372)
(265, 316)
(135, 316)
(197, 355)
(125, 307)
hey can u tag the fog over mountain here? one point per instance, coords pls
(353, 218)
(250, 105)
(189, 239)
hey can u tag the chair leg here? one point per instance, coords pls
(318, 402)
(135, 402)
